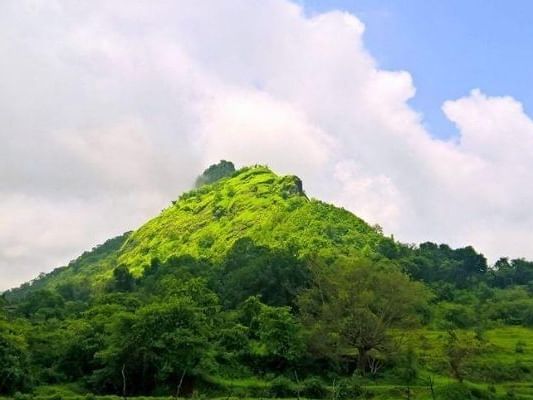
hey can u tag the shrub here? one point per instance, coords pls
(314, 388)
(520, 346)
(510, 395)
(281, 387)
(349, 389)
(460, 316)
(453, 391)
(460, 391)
(197, 395)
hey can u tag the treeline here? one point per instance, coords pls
(308, 326)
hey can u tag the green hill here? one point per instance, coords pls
(246, 287)
(252, 203)
(255, 203)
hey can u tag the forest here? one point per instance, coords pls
(246, 288)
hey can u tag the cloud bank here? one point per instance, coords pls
(109, 109)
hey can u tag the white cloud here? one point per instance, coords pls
(109, 109)
(252, 127)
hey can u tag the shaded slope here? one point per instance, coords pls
(97, 262)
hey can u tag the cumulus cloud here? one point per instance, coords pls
(109, 109)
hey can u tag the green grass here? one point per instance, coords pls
(511, 371)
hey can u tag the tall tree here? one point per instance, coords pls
(14, 363)
(352, 305)
(215, 172)
(161, 343)
(122, 281)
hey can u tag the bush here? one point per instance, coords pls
(460, 316)
(281, 387)
(510, 395)
(460, 391)
(197, 395)
(314, 388)
(349, 389)
(494, 371)
(520, 346)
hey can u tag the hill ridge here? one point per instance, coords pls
(254, 202)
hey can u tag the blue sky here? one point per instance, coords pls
(450, 47)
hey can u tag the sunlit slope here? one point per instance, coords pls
(254, 203)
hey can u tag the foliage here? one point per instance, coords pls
(14, 362)
(459, 348)
(122, 281)
(253, 204)
(246, 287)
(215, 172)
(282, 387)
(314, 387)
(352, 305)
(459, 391)
(248, 270)
(157, 344)
(348, 388)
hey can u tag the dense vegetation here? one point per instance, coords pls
(245, 287)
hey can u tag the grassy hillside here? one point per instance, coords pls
(255, 203)
(252, 203)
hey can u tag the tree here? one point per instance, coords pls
(472, 263)
(174, 335)
(14, 363)
(274, 336)
(123, 280)
(41, 304)
(161, 343)
(351, 306)
(514, 272)
(280, 334)
(409, 369)
(82, 340)
(215, 172)
(459, 348)
(276, 275)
